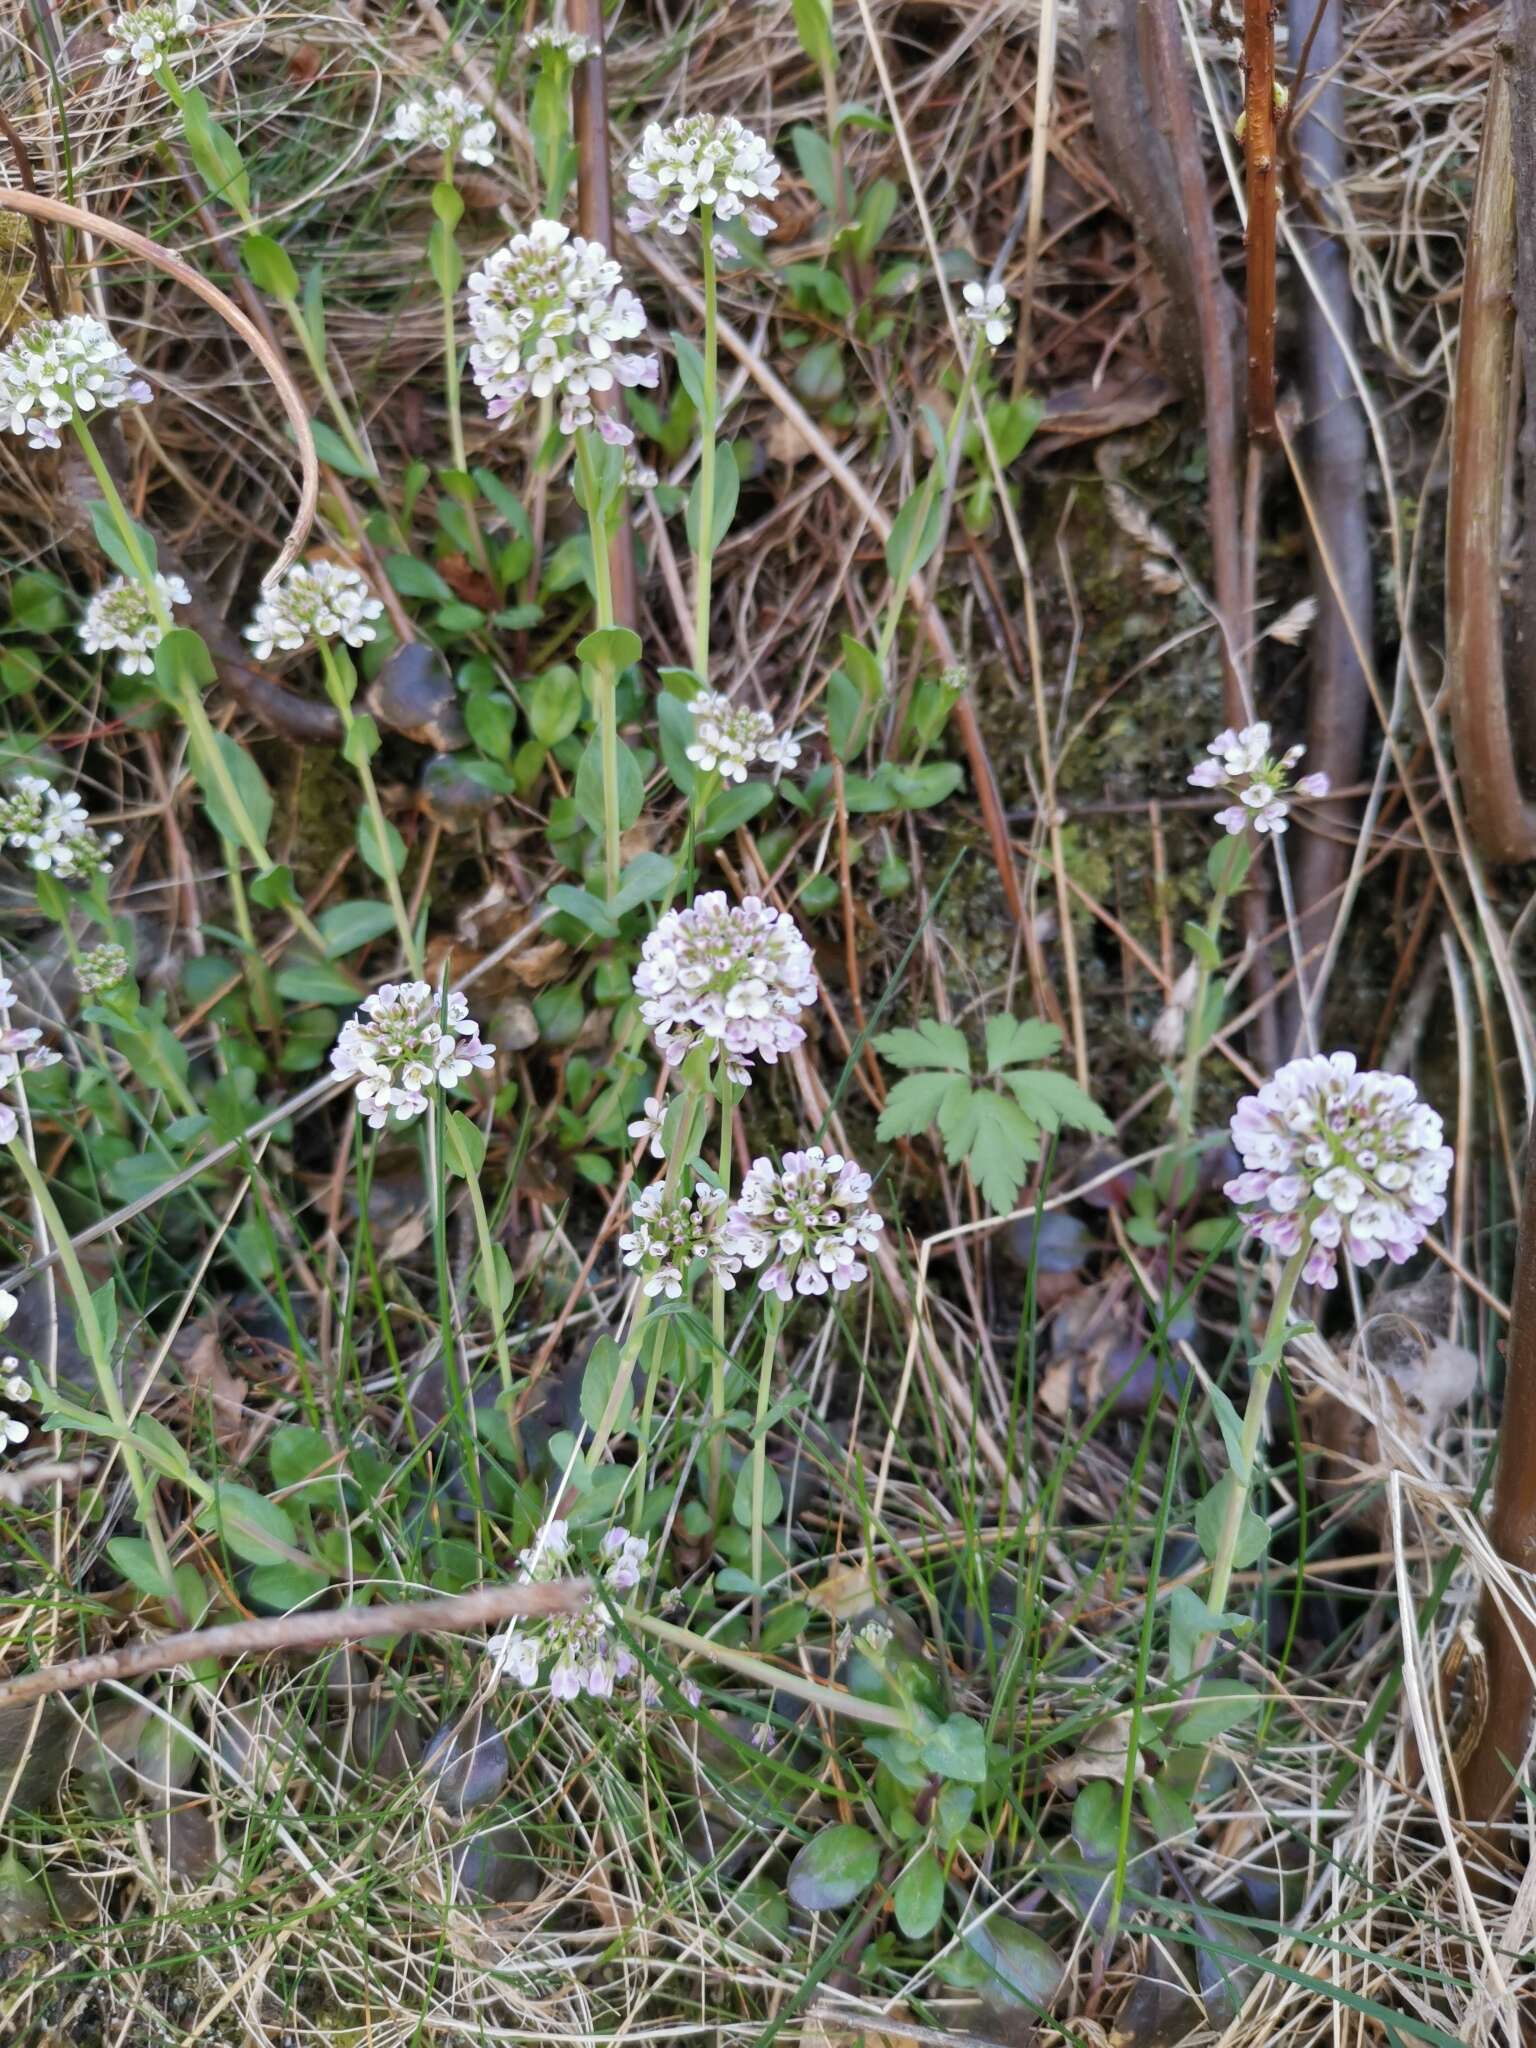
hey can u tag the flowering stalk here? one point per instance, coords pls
(360, 738)
(772, 1322)
(605, 688)
(1229, 864)
(705, 548)
(448, 269)
(717, 1360)
(94, 1340)
(199, 725)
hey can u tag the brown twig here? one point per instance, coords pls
(23, 163)
(1499, 814)
(1336, 446)
(316, 1629)
(1263, 210)
(594, 217)
(39, 206)
(1522, 79)
(1496, 1766)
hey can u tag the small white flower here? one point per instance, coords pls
(1336, 1160)
(781, 753)
(672, 1233)
(54, 832)
(727, 737)
(315, 601)
(698, 161)
(150, 36)
(1240, 764)
(805, 1223)
(734, 977)
(638, 475)
(447, 119)
(100, 969)
(55, 371)
(987, 306)
(8, 1303)
(649, 1126)
(547, 41)
(549, 312)
(120, 620)
(405, 1039)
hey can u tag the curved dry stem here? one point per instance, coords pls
(39, 206)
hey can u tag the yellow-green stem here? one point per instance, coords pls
(717, 1361)
(773, 1317)
(704, 561)
(337, 692)
(605, 678)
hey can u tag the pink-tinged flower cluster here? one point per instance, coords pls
(805, 1223)
(55, 371)
(580, 1652)
(54, 831)
(1259, 783)
(702, 161)
(21, 1052)
(669, 1234)
(549, 312)
(1336, 1160)
(734, 977)
(405, 1039)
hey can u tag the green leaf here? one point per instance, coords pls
(415, 578)
(916, 531)
(362, 741)
(932, 1044)
(269, 267)
(819, 374)
(135, 1559)
(346, 926)
(584, 907)
(1227, 863)
(463, 1145)
(589, 785)
(249, 784)
(1202, 945)
(1211, 1514)
(1220, 1705)
(958, 1749)
(489, 717)
(311, 981)
(814, 155)
(834, 1868)
(296, 1450)
(253, 1527)
(273, 888)
(444, 258)
(335, 453)
(727, 491)
(741, 1498)
(116, 549)
(959, 1118)
(37, 602)
(1052, 1100)
(613, 648)
(1168, 1814)
(1013, 1966)
(597, 1385)
(690, 369)
(848, 713)
(1230, 1423)
(552, 703)
(1096, 1820)
(918, 1896)
(383, 860)
(813, 25)
(1004, 1143)
(1012, 1041)
(912, 1105)
(729, 809)
(282, 1587)
(215, 152)
(646, 877)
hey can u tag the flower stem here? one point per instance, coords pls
(1197, 1038)
(604, 673)
(717, 1357)
(775, 1676)
(1270, 1354)
(773, 1319)
(703, 565)
(94, 1340)
(336, 689)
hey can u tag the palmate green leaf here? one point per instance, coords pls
(959, 1119)
(1052, 1100)
(931, 1045)
(1004, 1143)
(912, 1105)
(1016, 1041)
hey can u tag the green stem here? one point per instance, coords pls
(1197, 1037)
(499, 1309)
(621, 1381)
(773, 1318)
(717, 1360)
(605, 677)
(704, 562)
(94, 1340)
(1264, 1368)
(260, 982)
(341, 697)
(901, 581)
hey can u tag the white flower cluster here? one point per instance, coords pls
(548, 41)
(315, 601)
(405, 1039)
(1336, 1160)
(669, 1234)
(444, 118)
(150, 36)
(734, 977)
(580, 1651)
(21, 1052)
(638, 475)
(1240, 764)
(805, 1223)
(103, 967)
(53, 831)
(730, 737)
(121, 620)
(549, 311)
(57, 370)
(13, 1387)
(699, 161)
(987, 306)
